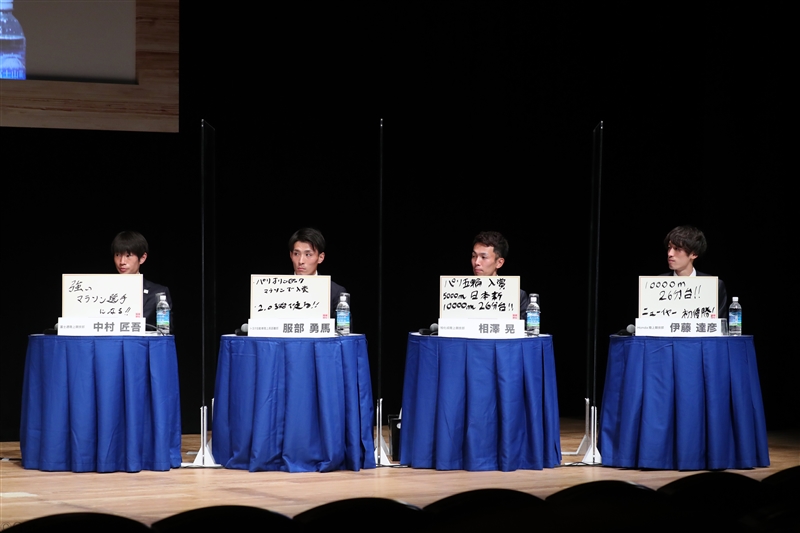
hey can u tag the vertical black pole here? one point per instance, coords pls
(594, 265)
(208, 294)
(380, 261)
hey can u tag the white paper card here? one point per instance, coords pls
(479, 297)
(296, 297)
(84, 326)
(288, 327)
(101, 295)
(678, 296)
(481, 328)
(678, 327)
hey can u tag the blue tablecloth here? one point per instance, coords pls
(102, 404)
(683, 404)
(294, 405)
(480, 404)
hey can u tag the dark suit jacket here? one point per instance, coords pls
(722, 294)
(336, 291)
(150, 300)
(523, 304)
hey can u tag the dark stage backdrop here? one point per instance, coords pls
(488, 116)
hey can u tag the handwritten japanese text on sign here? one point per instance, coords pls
(678, 296)
(479, 297)
(95, 295)
(290, 296)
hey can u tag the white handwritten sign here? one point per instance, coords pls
(290, 296)
(101, 295)
(479, 297)
(678, 296)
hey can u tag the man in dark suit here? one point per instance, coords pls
(489, 251)
(307, 251)
(685, 244)
(130, 252)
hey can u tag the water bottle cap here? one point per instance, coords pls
(735, 298)
(6, 4)
(163, 297)
(342, 298)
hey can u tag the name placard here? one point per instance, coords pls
(481, 328)
(494, 297)
(101, 295)
(290, 327)
(296, 297)
(679, 327)
(81, 326)
(678, 297)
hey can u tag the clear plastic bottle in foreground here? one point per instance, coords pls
(735, 318)
(533, 314)
(343, 316)
(12, 44)
(162, 315)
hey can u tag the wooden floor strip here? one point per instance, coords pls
(151, 496)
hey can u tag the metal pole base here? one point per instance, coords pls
(583, 447)
(204, 457)
(592, 457)
(588, 445)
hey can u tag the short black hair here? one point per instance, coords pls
(311, 236)
(129, 242)
(494, 239)
(689, 238)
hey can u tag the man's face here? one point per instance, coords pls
(305, 259)
(679, 260)
(484, 261)
(127, 263)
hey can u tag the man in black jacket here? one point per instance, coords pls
(130, 252)
(685, 244)
(489, 251)
(307, 251)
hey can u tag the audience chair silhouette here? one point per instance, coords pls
(780, 510)
(226, 517)
(366, 512)
(487, 509)
(715, 499)
(612, 505)
(83, 522)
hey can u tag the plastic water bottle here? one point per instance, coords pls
(12, 44)
(532, 316)
(735, 318)
(343, 316)
(162, 314)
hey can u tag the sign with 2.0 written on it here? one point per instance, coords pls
(479, 297)
(678, 297)
(298, 297)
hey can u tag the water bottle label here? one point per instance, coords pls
(532, 320)
(343, 319)
(12, 73)
(162, 317)
(735, 319)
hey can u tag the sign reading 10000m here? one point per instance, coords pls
(479, 297)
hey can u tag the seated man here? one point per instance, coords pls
(130, 252)
(685, 244)
(489, 251)
(307, 251)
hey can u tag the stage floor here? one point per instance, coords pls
(151, 496)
